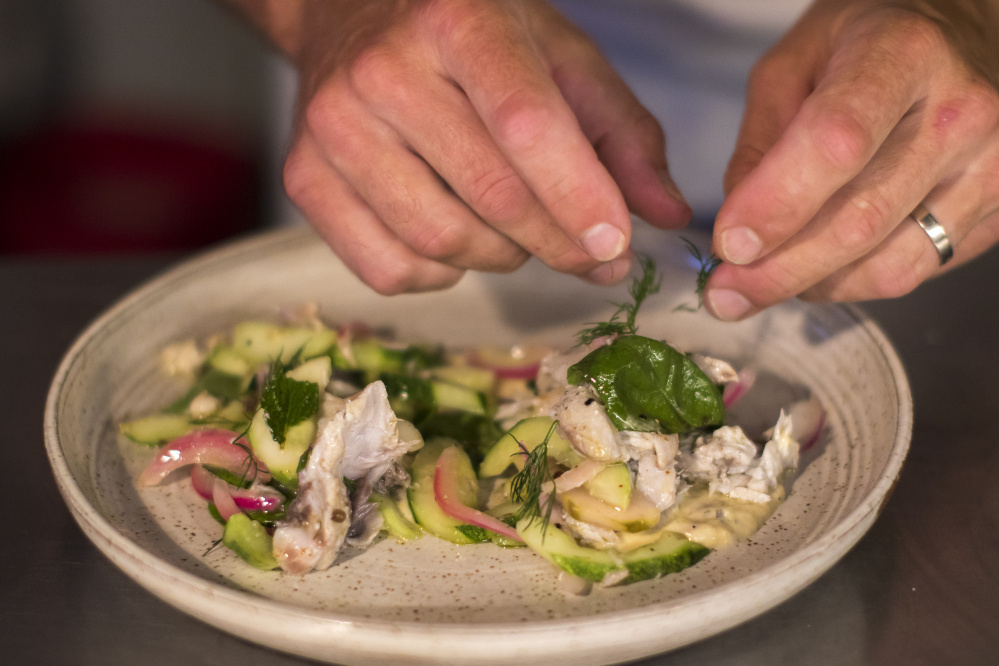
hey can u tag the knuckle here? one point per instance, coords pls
(457, 23)
(437, 241)
(521, 120)
(981, 103)
(916, 36)
(843, 136)
(770, 72)
(894, 275)
(295, 176)
(390, 278)
(862, 223)
(326, 116)
(378, 75)
(498, 194)
(648, 128)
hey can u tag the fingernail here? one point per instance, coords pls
(726, 304)
(740, 245)
(610, 272)
(671, 187)
(604, 241)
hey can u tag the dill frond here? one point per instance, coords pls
(526, 486)
(642, 287)
(706, 266)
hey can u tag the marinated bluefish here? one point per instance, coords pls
(358, 439)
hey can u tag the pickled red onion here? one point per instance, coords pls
(446, 494)
(254, 498)
(213, 446)
(734, 391)
(223, 500)
(808, 420)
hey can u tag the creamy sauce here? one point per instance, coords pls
(716, 520)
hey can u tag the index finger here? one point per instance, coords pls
(511, 89)
(867, 87)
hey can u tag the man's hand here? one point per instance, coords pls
(438, 136)
(865, 109)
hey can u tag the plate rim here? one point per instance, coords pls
(840, 538)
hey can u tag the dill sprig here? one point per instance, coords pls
(642, 287)
(215, 544)
(526, 487)
(706, 266)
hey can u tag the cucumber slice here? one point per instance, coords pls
(281, 460)
(669, 554)
(424, 505)
(477, 379)
(395, 522)
(157, 428)
(317, 370)
(562, 550)
(612, 485)
(231, 362)
(248, 539)
(640, 515)
(260, 342)
(531, 431)
(455, 397)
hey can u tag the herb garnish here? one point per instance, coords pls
(526, 486)
(287, 402)
(707, 266)
(640, 288)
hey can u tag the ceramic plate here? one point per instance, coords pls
(429, 601)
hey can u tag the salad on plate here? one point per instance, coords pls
(612, 459)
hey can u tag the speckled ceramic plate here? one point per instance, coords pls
(429, 601)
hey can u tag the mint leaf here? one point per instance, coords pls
(648, 386)
(287, 402)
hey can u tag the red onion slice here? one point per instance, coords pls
(808, 420)
(213, 446)
(255, 498)
(446, 494)
(735, 390)
(223, 500)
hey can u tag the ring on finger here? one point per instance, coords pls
(936, 232)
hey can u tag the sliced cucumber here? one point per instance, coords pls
(455, 397)
(612, 485)
(562, 550)
(248, 539)
(422, 502)
(396, 523)
(670, 553)
(317, 370)
(157, 428)
(531, 432)
(281, 460)
(259, 342)
(228, 360)
(477, 379)
(640, 515)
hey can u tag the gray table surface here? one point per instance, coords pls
(922, 587)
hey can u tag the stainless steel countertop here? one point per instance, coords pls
(922, 587)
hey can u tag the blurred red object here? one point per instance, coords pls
(100, 188)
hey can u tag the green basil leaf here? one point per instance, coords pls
(648, 386)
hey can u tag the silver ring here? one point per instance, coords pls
(935, 231)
